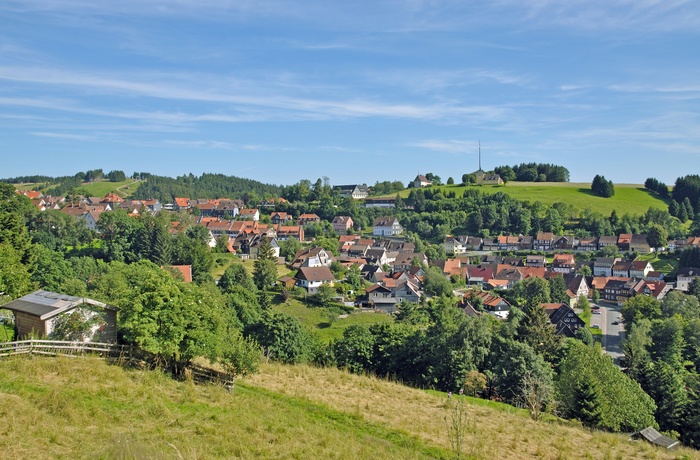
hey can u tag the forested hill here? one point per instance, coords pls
(166, 189)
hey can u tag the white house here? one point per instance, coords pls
(311, 278)
(387, 226)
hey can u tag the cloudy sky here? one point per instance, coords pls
(357, 91)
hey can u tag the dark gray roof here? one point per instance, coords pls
(46, 304)
(654, 437)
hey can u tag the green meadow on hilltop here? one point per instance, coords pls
(628, 199)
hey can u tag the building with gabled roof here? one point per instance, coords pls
(311, 278)
(37, 313)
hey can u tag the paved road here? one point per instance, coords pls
(612, 333)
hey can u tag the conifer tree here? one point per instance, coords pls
(588, 404)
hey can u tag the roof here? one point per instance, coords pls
(186, 271)
(46, 304)
(315, 274)
(384, 221)
(651, 435)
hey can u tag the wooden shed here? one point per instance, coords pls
(654, 437)
(36, 313)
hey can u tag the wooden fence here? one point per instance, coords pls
(123, 353)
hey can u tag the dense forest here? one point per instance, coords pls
(212, 186)
(533, 172)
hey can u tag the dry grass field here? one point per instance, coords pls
(63, 408)
(492, 433)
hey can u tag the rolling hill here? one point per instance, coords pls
(629, 198)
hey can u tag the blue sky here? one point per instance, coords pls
(357, 91)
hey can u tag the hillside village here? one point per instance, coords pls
(596, 285)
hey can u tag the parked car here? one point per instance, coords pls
(615, 323)
(596, 312)
(595, 307)
(595, 326)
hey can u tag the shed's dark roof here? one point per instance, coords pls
(46, 304)
(654, 437)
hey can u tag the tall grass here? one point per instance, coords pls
(81, 408)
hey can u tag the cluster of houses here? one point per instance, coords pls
(547, 241)
(394, 268)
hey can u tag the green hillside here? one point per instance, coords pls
(629, 198)
(102, 188)
(83, 408)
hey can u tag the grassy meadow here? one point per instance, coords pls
(629, 198)
(66, 408)
(102, 188)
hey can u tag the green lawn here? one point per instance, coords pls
(629, 198)
(316, 319)
(663, 263)
(102, 188)
(223, 261)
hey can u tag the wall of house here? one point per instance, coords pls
(28, 325)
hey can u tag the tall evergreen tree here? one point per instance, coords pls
(265, 267)
(588, 406)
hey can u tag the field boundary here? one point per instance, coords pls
(123, 354)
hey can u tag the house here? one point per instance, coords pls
(421, 181)
(587, 244)
(577, 286)
(478, 276)
(378, 256)
(640, 269)
(488, 179)
(474, 243)
(278, 218)
(639, 244)
(483, 301)
(623, 241)
(691, 242)
(489, 244)
(449, 267)
(543, 241)
(380, 202)
(38, 312)
(563, 243)
(252, 214)
(563, 263)
(311, 278)
(112, 198)
(387, 226)
(564, 318)
(290, 231)
(406, 260)
(656, 289)
(535, 261)
(258, 240)
(91, 218)
(526, 242)
(622, 268)
(356, 192)
(603, 266)
(182, 204)
(605, 241)
(685, 277)
(308, 219)
(341, 224)
(313, 257)
(621, 290)
(455, 245)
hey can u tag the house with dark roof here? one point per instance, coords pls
(484, 301)
(603, 266)
(564, 318)
(686, 276)
(311, 278)
(38, 312)
(543, 241)
(386, 226)
(356, 192)
(639, 244)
